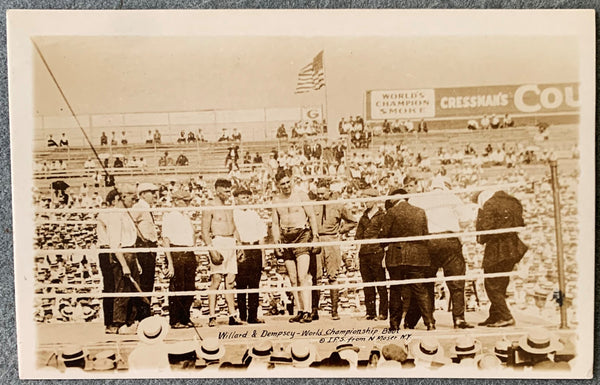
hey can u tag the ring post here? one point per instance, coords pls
(559, 245)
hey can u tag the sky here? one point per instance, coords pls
(112, 74)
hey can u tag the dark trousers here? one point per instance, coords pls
(401, 296)
(184, 279)
(372, 271)
(413, 312)
(147, 262)
(495, 289)
(126, 309)
(447, 254)
(312, 269)
(106, 263)
(248, 277)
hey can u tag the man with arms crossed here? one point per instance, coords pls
(295, 224)
(218, 231)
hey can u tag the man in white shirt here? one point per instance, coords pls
(117, 230)
(178, 231)
(444, 212)
(251, 230)
(146, 237)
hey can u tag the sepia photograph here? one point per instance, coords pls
(294, 193)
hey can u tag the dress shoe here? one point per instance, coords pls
(306, 318)
(335, 316)
(212, 322)
(431, 327)
(112, 329)
(486, 322)
(315, 315)
(502, 323)
(381, 317)
(394, 326)
(406, 326)
(462, 324)
(297, 317)
(234, 322)
(370, 317)
(256, 321)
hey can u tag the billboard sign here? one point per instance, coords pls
(400, 104)
(470, 101)
(515, 99)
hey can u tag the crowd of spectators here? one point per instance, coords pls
(534, 292)
(300, 130)
(537, 350)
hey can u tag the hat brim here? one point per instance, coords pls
(312, 355)
(211, 357)
(418, 354)
(554, 346)
(479, 357)
(476, 349)
(164, 324)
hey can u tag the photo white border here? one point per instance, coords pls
(23, 24)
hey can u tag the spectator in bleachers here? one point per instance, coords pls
(257, 158)
(142, 163)
(181, 138)
(113, 139)
(191, 137)
(165, 160)
(507, 121)
(247, 158)
(51, 141)
(485, 123)
(387, 127)
(494, 122)
(281, 133)
(124, 140)
(224, 136)
(182, 160)
(149, 137)
(472, 124)
(63, 140)
(422, 126)
(89, 163)
(200, 136)
(118, 163)
(103, 139)
(157, 137)
(236, 136)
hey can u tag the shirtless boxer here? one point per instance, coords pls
(296, 224)
(218, 230)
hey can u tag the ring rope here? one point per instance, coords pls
(277, 205)
(466, 277)
(285, 245)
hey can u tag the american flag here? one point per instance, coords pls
(311, 76)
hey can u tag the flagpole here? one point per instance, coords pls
(326, 114)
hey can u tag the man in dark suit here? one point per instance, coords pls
(498, 210)
(407, 260)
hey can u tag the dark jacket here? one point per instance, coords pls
(405, 220)
(502, 251)
(369, 229)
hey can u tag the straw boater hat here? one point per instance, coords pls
(465, 345)
(211, 349)
(488, 361)
(341, 347)
(105, 360)
(302, 353)
(261, 349)
(427, 349)
(143, 187)
(153, 329)
(182, 351)
(539, 341)
(501, 349)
